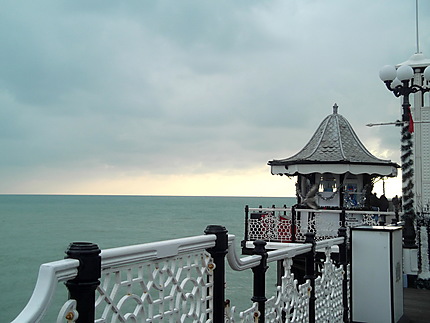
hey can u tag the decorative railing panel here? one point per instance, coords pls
(328, 291)
(271, 223)
(281, 224)
(292, 301)
(250, 315)
(182, 280)
(171, 281)
(174, 289)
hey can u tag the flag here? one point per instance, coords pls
(411, 121)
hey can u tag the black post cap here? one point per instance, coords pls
(88, 254)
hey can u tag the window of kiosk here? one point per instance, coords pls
(350, 195)
(328, 183)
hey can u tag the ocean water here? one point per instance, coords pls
(35, 229)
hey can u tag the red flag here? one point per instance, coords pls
(411, 121)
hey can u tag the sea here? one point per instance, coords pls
(36, 229)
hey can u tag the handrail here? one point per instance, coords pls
(329, 242)
(285, 251)
(320, 210)
(372, 212)
(348, 211)
(291, 252)
(237, 263)
(155, 250)
(50, 274)
(271, 209)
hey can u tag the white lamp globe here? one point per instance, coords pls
(396, 82)
(387, 73)
(427, 73)
(405, 73)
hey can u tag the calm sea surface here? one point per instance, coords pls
(36, 229)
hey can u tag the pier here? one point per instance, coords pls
(183, 280)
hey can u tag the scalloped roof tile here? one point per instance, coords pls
(334, 141)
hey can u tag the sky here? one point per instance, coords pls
(190, 97)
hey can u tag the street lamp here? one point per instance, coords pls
(401, 83)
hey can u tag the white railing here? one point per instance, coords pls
(173, 281)
(168, 280)
(291, 301)
(50, 274)
(281, 224)
(328, 286)
(135, 280)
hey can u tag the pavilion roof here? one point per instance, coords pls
(334, 148)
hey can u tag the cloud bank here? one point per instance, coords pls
(108, 97)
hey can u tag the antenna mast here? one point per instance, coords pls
(417, 29)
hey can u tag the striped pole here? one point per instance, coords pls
(407, 176)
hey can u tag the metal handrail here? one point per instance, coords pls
(50, 274)
(348, 211)
(290, 252)
(155, 250)
(281, 209)
(237, 263)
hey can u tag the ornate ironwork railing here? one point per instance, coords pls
(168, 280)
(324, 294)
(183, 280)
(282, 224)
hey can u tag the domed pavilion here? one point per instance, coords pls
(336, 164)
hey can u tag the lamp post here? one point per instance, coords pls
(400, 82)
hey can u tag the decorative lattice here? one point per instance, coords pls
(229, 313)
(175, 289)
(326, 226)
(300, 233)
(154, 283)
(271, 226)
(251, 315)
(276, 224)
(370, 219)
(292, 301)
(328, 292)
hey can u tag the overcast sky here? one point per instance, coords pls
(190, 97)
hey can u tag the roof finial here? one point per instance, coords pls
(335, 107)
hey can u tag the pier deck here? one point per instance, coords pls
(416, 307)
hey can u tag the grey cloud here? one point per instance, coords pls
(166, 86)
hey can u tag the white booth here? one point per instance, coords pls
(377, 280)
